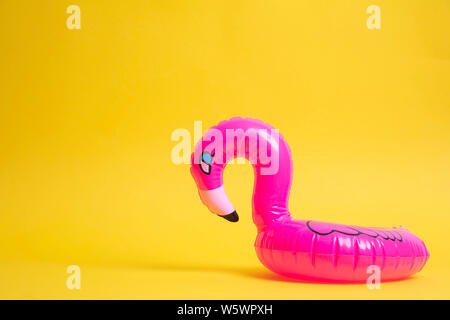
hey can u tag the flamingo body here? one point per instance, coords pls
(301, 249)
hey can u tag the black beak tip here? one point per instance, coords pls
(232, 217)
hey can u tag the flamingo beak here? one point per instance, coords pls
(218, 203)
(232, 217)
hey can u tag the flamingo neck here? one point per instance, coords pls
(270, 201)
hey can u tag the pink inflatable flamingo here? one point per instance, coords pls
(296, 248)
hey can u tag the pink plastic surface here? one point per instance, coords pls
(303, 249)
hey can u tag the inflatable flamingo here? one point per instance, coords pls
(301, 249)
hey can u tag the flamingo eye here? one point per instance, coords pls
(205, 162)
(206, 157)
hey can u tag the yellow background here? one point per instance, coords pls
(86, 118)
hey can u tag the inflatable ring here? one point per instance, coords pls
(299, 249)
